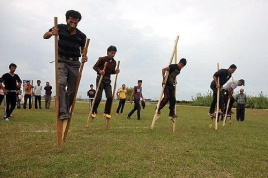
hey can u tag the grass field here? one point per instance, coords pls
(131, 149)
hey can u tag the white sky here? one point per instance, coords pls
(144, 31)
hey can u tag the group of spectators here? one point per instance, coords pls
(11, 92)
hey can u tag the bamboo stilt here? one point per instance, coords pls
(90, 118)
(163, 87)
(59, 122)
(218, 101)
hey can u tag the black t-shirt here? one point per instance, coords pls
(48, 90)
(91, 93)
(69, 45)
(224, 76)
(174, 70)
(11, 81)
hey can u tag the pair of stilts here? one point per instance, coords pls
(63, 125)
(157, 115)
(218, 107)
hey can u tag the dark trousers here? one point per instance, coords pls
(37, 98)
(1, 99)
(137, 107)
(106, 86)
(240, 112)
(232, 100)
(26, 97)
(214, 101)
(169, 95)
(121, 105)
(10, 103)
(47, 101)
(90, 103)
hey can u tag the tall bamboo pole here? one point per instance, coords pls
(218, 101)
(59, 122)
(91, 109)
(165, 80)
(227, 106)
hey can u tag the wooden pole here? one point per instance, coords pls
(90, 113)
(108, 120)
(218, 101)
(66, 129)
(227, 106)
(163, 87)
(174, 120)
(59, 122)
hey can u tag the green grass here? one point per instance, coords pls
(131, 149)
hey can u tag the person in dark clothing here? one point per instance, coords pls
(136, 95)
(12, 84)
(106, 80)
(224, 75)
(169, 90)
(91, 94)
(71, 45)
(48, 93)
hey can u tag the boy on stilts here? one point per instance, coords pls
(169, 91)
(224, 75)
(106, 81)
(71, 46)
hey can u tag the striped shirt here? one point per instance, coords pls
(241, 98)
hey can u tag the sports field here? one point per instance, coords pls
(130, 148)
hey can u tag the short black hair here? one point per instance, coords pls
(242, 81)
(91, 85)
(111, 48)
(12, 65)
(74, 14)
(139, 81)
(233, 66)
(38, 80)
(183, 61)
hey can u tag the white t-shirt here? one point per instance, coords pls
(37, 90)
(233, 84)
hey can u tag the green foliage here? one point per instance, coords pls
(202, 100)
(260, 102)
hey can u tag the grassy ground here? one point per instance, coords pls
(131, 149)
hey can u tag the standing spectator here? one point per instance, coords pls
(136, 94)
(91, 94)
(121, 94)
(12, 84)
(241, 100)
(224, 75)
(28, 94)
(48, 93)
(106, 80)
(37, 94)
(71, 45)
(2, 91)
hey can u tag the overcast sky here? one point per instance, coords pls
(144, 31)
